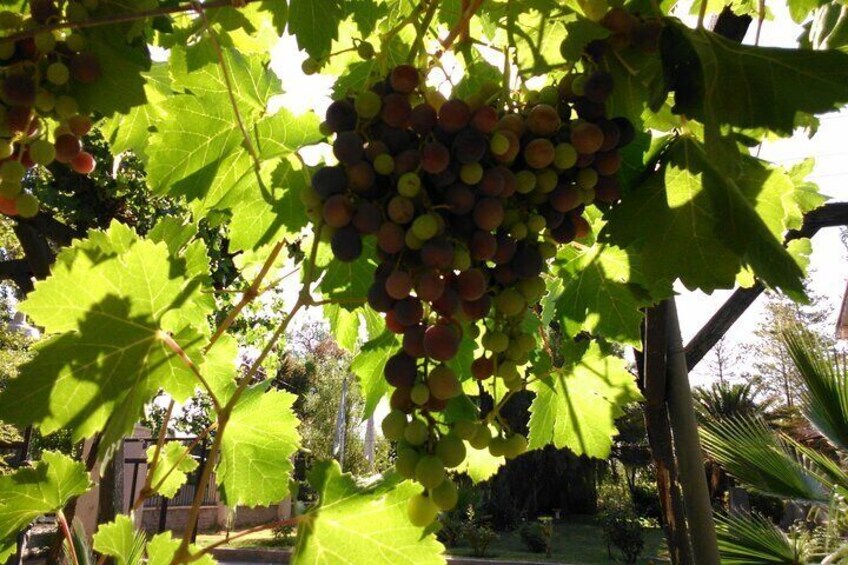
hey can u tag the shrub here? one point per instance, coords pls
(284, 535)
(451, 530)
(537, 536)
(621, 525)
(646, 501)
(479, 537)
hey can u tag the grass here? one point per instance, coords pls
(576, 540)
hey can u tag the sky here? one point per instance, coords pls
(829, 260)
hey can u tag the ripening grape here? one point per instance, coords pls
(445, 496)
(509, 302)
(394, 424)
(421, 511)
(543, 120)
(27, 205)
(587, 178)
(409, 185)
(539, 153)
(396, 111)
(441, 342)
(43, 11)
(85, 68)
(346, 244)
(58, 73)
(481, 438)
(401, 210)
(399, 284)
(406, 461)
(12, 172)
(443, 384)
(435, 158)
(348, 147)
(515, 446)
(408, 311)
(420, 394)
(425, 227)
(430, 471)
(368, 218)
(598, 86)
(390, 238)
(19, 90)
(310, 66)
(416, 432)
(365, 50)
(338, 211)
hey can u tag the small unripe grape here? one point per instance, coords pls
(587, 178)
(79, 125)
(10, 189)
(409, 185)
(496, 342)
(365, 50)
(27, 205)
(420, 394)
(368, 104)
(465, 429)
(384, 164)
(430, 471)
(425, 227)
(510, 302)
(85, 68)
(75, 42)
(310, 66)
(451, 451)
(7, 149)
(406, 461)
(499, 144)
(66, 107)
(536, 223)
(393, 425)
(497, 447)
(45, 101)
(76, 12)
(45, 42)
(565, 156)
(12, 172)
(525, 181)
(445, 496)
(471, 173)
(416, 432)
(42, 152)
(482, 437)
(7, 50)
(515, 446)
(10, 20)
(443, 383)
(421, 511)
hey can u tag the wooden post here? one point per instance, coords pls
(684, 426)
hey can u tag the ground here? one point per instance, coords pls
(575, 541)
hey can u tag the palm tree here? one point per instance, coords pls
(775, 464)
(727, 400)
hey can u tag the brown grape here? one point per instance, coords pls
(401, 210)
(399, 284)
(435, 158)
(482, 368)
(67, 147)
(539, 153)
(599, 86)
(360, 176)
(543, 120)
(488, 214)
(348, 147)
(469, 146)
(607, 163)
(83, 163)
(423, 119)
(448, 303)
(404, 79)
(378, 298)
(471, 284)
(390, 238)
(454, 115)
(396, 110)
(607, 190)
(477, 309)
(430, 286)
(437, 253)
(368, 218)
(19, 90)
(338, 211)
(492, 183)
(586, 137)
(485, 119)
(413, 341)
(408, 311)
(460, 199)
(346, 244)
(341, 116)
(441, 342)
(400, 370)
(327, 181)
(483, 246)
(565, 198)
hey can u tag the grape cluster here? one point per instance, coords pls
(40, 121)
(467, 204)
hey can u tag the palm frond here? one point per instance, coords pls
(79, 547)
(755, 455)
(825, 395)
(826, 470)
(753, 540)
(136, 554)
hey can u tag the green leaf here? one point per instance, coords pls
(719, 81)
(120, 540)
(362, 525)
(577, 405)
(579, 33)
(315, 24)
(172, 468)
(162, 548)
(257, 448)
(368, 368)
(344, 325)
(31, 492)
(753, 540)
(349, 282)
(599, 293)
(480, 465)
(110, 301)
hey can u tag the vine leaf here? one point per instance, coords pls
(349, 281)
(479, 464)
(597, 290)
(355, 524)
(109, 303)
(578, 34)
(315, 24)
(257, 448)
(119, 539)
(31, 492)
(172, 467)
(577, 404)
(368, 368)
(720, 81)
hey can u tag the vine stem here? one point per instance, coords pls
(304, 299)
(125, 18)
(66, 532)
(287, 522)
(421, 30)
(175, 347)
(702, 13)
(460, 26)
(219, 53)
(160, 443)
(249, 295)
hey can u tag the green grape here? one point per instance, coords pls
(471, 173)
(518, 231)
(595, 10)
(9, 20)
(525, 181)
(425, 227)
(451, 450)
(406, 461)
(7, 149)
(514, 384)
(546, 180)
(496, 342)
(499, 144)
(578, 85)
(384, 164)
(45, 42)
(532, 289)
(465, 429)
(412, 241)
(549, 95)
(510, 302)
(515, 446)
(420, 394)
(66, 107)
(45, 101)
(507, 369)
(430, 471)
(27, 205)
(75, 42)
(461, 259)
(12, 172)
(421, 511)
(536, 223)
(565, 156)
(445, 496)
(42, 152)
(587, 195)
(368, 104)
(482, 436)
(587, 178)
(365, 50)
(547, 250)
(76, 12)
(310, 66)
(416, 432)
(10, 189)
(526, 342)
(497, 447)
(394, 425)
(409, 185)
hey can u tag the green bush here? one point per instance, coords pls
(284, 535)
(621, 525)
(646, 501)
(537, 536)
(479, 537)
